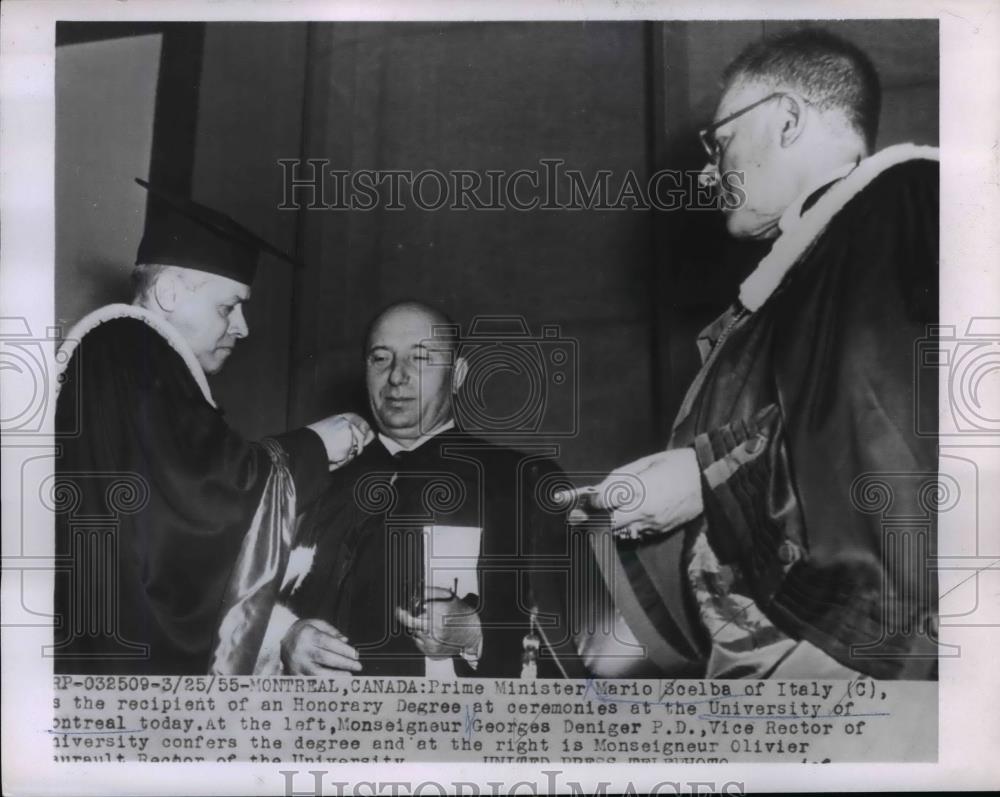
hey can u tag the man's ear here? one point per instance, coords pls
(165, 291)
(793, 118)
(459, 373)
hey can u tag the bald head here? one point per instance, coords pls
(410, 372)
(432, 316)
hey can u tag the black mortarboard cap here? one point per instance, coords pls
(182, 232)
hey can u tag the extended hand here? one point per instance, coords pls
(314, 647)
(344, 437)
(446, 627)
(661, 491)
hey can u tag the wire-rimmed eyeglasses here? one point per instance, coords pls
(707, 135)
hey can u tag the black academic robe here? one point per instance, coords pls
(364, 544)
(817, 454)
(154, 495)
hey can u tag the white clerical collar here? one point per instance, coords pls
(793, 213)
(394, 447)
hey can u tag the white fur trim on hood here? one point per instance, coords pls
(788, 248)
(112, 311)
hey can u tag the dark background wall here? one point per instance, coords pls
(629, 288)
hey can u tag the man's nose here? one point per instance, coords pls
(709, 175)
(398, 374)
(238, 324)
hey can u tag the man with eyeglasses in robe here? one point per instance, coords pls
(752, 546)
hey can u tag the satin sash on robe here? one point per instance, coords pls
(256, 578)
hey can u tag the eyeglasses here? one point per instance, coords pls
(707, 135)
(420, 599)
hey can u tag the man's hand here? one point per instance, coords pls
(344, 437)
(446, 627)
(665, 493)
(314, 647)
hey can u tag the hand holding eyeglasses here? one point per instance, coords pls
(441, 623)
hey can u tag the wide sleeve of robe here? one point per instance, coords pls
(140, 412)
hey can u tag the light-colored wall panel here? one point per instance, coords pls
(105, 97)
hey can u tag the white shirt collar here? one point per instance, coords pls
(793, 213)
(394, 447)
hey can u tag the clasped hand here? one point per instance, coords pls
(443, 625)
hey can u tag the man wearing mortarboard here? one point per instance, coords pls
(156, 496)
